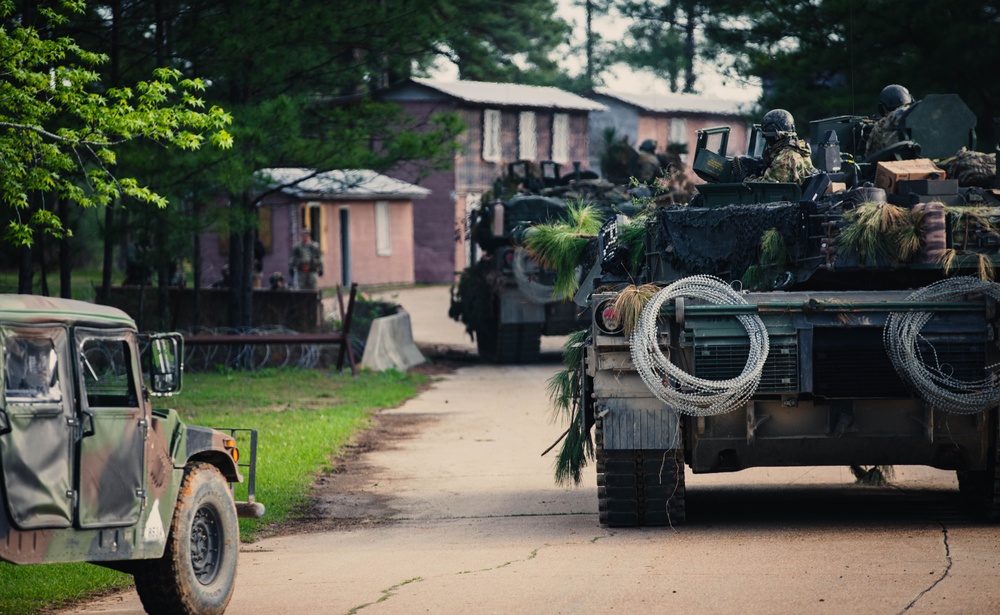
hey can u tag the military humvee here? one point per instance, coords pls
(92, 472)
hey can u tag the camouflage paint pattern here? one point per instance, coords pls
(787, 160)
(886, 131)
(89, 470)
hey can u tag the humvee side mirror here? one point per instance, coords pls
(165, 354)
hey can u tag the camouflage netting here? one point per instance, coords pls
(720, 241)
(472, 296)
(971, 168)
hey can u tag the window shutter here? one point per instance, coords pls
(491, 135)
(383, 239)
(560, 138)
(527, 135)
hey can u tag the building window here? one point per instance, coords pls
(527, 135)
(383, 240)
(560, 137)
(491, 135)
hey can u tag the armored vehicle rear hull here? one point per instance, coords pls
(833, 323)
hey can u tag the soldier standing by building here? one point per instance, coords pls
(787, 157)
(307, 261)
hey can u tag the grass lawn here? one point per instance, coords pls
(303, 418)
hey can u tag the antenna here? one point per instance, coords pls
(850, 49)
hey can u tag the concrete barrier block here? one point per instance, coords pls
(390, 344)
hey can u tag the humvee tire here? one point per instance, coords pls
(638, 488)
(197, 571)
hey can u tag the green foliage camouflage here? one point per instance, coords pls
(473, 296)
(564, 392)
(560, 245)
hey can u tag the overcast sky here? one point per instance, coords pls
(709, 81)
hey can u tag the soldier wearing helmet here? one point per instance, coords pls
(306, 261)
(647, 164)
(787, 157)
(894, 102)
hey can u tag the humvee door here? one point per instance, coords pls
(37, 426)
(113, 430)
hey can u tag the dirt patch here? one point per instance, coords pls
(347, 496)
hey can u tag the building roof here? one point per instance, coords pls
(512, 94)
(340, 184)
(676, 103)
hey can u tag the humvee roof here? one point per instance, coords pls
(30, 309)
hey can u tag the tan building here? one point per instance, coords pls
(362, 220)
(505, 122)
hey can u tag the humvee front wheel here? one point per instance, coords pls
(198, 569)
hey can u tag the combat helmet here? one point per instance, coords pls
(777, 124)
(893, 97)
(649, 145)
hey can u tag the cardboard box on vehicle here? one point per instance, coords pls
(889, 174)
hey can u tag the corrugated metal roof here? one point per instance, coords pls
(512, 94)
(340, 184)
(667, 103)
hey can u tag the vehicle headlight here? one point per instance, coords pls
(607, 318)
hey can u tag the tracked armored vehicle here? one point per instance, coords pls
(848, 321)
(92, 472)
(507, 298)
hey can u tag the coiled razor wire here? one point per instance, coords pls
(933, 380)
(680, 390)
(533, 290)
(207, 357)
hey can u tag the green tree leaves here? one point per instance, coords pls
(59, 128)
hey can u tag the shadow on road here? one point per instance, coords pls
(830, 506)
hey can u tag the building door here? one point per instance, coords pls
(345, 246)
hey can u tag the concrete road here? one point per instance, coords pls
(472, 523)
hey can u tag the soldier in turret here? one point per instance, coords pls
(307, 261)
(894, 102)
(647, 164)
(787, 157)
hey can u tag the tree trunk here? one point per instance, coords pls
(196, 267)
(44, 270)
(104, 296)
(236, 298)
(24, 273)
(109, 253)
(65, 255)
(689, 46)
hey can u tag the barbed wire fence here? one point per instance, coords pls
(255, 356)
